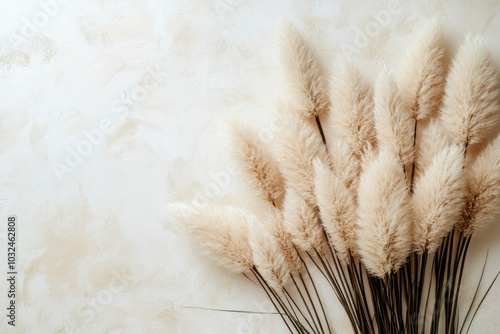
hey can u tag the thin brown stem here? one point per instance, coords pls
(414, 151)
(265, 287)
(320, 128)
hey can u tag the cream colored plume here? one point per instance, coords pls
(337, 207)
(344, 164)
(438, 199)
(298, 144)
(302, 222)
(222, 232)
(260, 168)
(268, 256)
(471, 105)
(352, 107)
(303, 73)
(483, 199)
(384, 217)
(394, 124)
(277, 225)
(430, 141)
(423, 74)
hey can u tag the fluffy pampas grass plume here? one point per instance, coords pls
(352, 107)
(298, 146)
(384, 238)
(260, 168)
(393, 123)
(422, 79)
(471, 101)
(302, 222)
(337, 207)
(222, 232)
(277, 225)
(345, 165)
(483, 199)
(268, 257)
(431, 141)
(438, 199)
(303, 73)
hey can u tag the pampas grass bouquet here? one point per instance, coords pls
(380, 215)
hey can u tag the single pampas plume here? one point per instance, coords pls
(344, 164)
(483, 199)
(384, 238)
(222, 232)
(297, 147)
(438, 199)
(337, 207)
(260, 168)
(302, 222)
(394, 124)
(303, 73)
(422, 79)
(471, 101)
(431, 140)
(268, 257)
(352, 107)
(276, 224)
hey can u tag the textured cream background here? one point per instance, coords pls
(94, 255)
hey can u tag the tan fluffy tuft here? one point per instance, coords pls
(423, 75)
(438, 199)
(298, 145)
(352, 107)
(303, 73)
(471, 105)
(222, 232)
(302, 222)
(277, 224)
(268, 256)
(430, 141)
(393, 123)
(384, 217)
(483, 199)
(258, 164)
(337, 207)
(344, 164)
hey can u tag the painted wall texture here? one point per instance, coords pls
(112, 109)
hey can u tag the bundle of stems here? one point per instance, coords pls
(379, 214)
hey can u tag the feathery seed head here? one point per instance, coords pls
(345, 165)
(439, 199)
(222, 232)
(429, 142)
(298, 145)
(483, 199)
(471, 106)
(277, 225)
(302, 222)
(337, 207)
(384, 235)
(394, 124)
(423, 76)
(258, 164)
(352, 107)
(268, 256)
(303, 73)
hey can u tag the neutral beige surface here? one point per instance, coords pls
(153, 84)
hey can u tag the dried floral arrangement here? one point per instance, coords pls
(384, 214)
